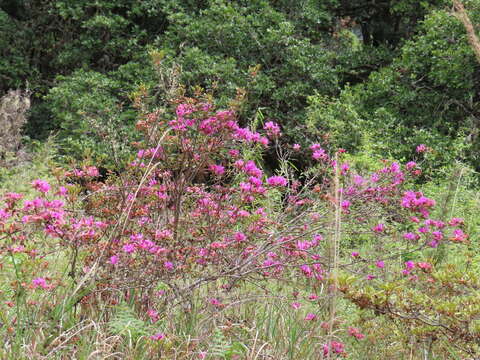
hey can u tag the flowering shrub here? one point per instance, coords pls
(191, 210)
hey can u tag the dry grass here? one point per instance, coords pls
(13, 116)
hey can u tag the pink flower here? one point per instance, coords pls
(409, 265)
(411, 165)
(114, 260)
(303, 245)
(344, 168)
(355, 254)
(379, 228)
(62, 191)
(240, 237)
(13, 196)
(215, 302)
(310, 317)
(233, 153)
(296, 147)
(433, 243)
(411, 236)
(128, 248)
(421, 148)
(380, 264)
(345, 204)
(424, 265)
(217, 169)
(17, 249)
(423, 229)
(277, 181)
(307, 270)
(158, 336)
(355, 333)
(455, 221)
(326, 350)
(184, 109)
(335, 346)
(41, 185)
(338, 347)
(153, 315)
(255, 181)
(272, 128)
(272, 255)
(168, 265)
(40, 282)
(92, 171)
(358, 180)
(296, 305)
(459, 235)
(319, 154)
(251, 169)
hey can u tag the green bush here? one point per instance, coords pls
(427, 95)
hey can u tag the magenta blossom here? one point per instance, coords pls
(218, 170)
(424, 265)
(41, 185)
(168, 265)
(421, 148)
(455, 221)
(296, 305)
(114, 260)
(335, 346)
(409, 265)
(215, 302)
(128, 248)
(411, 236)
(379, 228)
(40, 282)
(158, 336)
(272, 129)
(153, 315)
(411, 165)
(345, 204)
(319, 154)
(355, 333)
(459, 235)
(433, 244)
(277, 181)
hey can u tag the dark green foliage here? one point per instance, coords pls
(429, 94)
(14, 65)
(221, 46)
(384, 22)
(93, 112)
(379, 78)
(43, 39)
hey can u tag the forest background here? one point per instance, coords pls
(385, 82)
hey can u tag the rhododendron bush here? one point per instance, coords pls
(193, 221)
